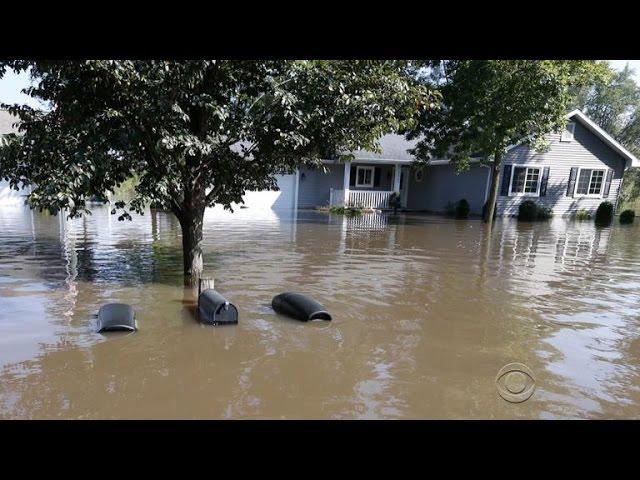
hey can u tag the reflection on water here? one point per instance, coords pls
(426, 311)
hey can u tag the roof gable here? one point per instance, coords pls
(630, 159)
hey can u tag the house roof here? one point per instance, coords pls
(6, 122)
(631, 159)
(394, 148)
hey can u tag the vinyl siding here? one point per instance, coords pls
(313, 190)
(441, 185)
(585, 151)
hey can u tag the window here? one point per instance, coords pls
(525, 181)
(590, 182)
(364, 176)
(567, 135)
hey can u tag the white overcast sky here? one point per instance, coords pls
(11, 84)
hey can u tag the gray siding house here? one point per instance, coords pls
(583, 167)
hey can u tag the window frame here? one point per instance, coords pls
(564, 136)
(590, 195)
(527, 167)
(372, 169)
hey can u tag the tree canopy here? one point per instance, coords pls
(613, 103)
(197, 133)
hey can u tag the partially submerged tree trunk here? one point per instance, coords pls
(191, 224)
(493, 193)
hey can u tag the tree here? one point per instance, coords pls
(196, 133)
(489, 105)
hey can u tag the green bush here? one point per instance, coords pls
(529, 211)
(394, 200)
(462, 209)
(627, 217)
(604, 214)
(348, 211)
(544, 213)
(583, 214)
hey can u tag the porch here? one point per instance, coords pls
(371, 185)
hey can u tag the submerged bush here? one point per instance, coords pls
(462, 209)
(394, 200)
(544, 213)
(529, 211)
(349, 211)
(604, 214)
(628, 216)
(583, 214)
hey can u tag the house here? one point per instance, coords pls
(583, 167)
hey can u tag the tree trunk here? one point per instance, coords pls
(191, 224)
(493, 194)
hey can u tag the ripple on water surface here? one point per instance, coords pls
(426, 311)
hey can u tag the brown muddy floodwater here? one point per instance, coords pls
(426, 310)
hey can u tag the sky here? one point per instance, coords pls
(11, 83)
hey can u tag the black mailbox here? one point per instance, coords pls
(116, 316)
(214, 309)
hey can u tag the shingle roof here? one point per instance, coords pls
(6, 123)
(394, 147)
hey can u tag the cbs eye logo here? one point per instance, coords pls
(515, 382)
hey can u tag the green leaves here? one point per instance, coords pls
(196, 133)
(489, 105)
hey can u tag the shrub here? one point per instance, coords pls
(627, 217)
(583, 214)
(462, 209)
(544, 213)
(348, 211)
(528, 211)
(394, 200)
(604, 214)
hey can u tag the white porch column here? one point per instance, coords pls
(347, 180)
(396, 178)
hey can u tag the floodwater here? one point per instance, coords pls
(426, 311)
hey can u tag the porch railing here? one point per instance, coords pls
(360, 198)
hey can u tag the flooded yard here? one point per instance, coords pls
(426, 311)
